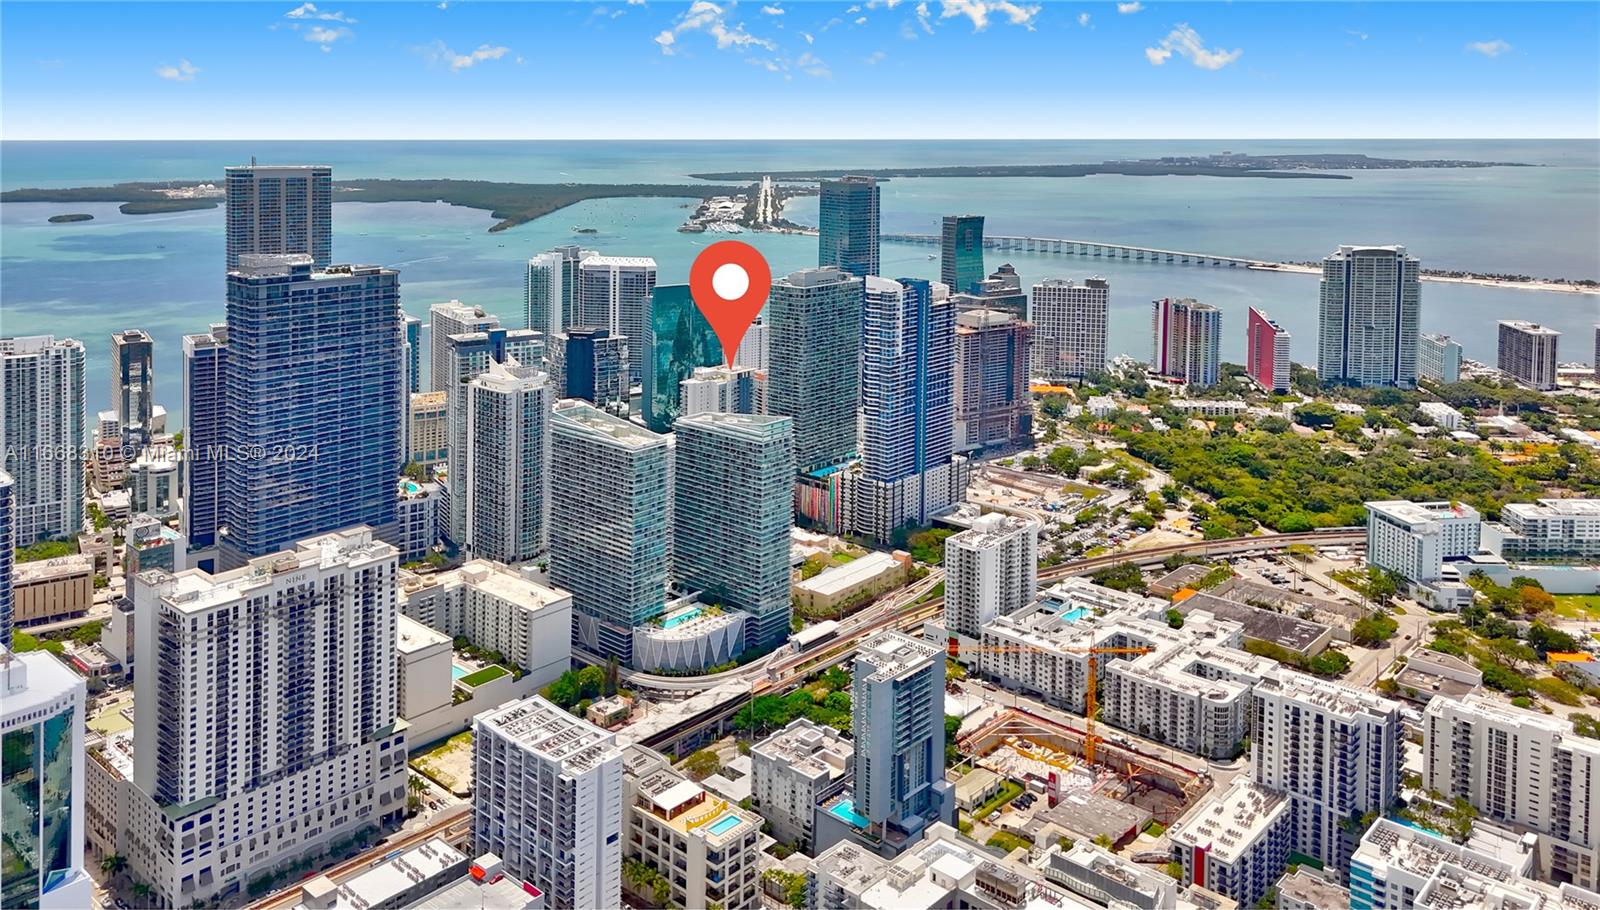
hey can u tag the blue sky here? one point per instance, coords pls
(752, 69)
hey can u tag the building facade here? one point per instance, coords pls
(1187, 341)
(550, 289)
(1438, 358)
(706, 848)
(496, 608)
(205, 406)
(814, 370)
(133, 383)
(847, 218)
(42, 434)
(677, 340)
(1069, 328)
(721, 390)
(504, 474)
(429, 434)
(548, 800)
(591, 364)
(444, 320)
(1266, 357)
(993, 400)
(467, 356)
(279, 210)
(961, 252)
(1415, 539)
(1368, 317)
(793, 771)
(614, 293)
(732, 509)
(897, 722)
(1551, 529)
(42, 729)
(991, 569)
(1238, 846)
(1527, 353)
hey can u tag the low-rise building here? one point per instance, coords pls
(689, 636)
(150, 544)
(496, 608)
(1236, 843)
(860, 578)
(1398, 867)
(1208, 407)
(47, 589)
(1304, 889)
(795, 769)
(1442, 415)
(1288, 632)
(1107, 879)
(943, 870)
(1551, 529)
(704, 846)
(417, 519)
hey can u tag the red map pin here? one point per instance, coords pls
(730, 282)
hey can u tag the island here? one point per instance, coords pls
(68, 219)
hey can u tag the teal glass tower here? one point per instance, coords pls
(961, 252)
(733, 505)
(847, 235)
(814, 364)
(677, 339)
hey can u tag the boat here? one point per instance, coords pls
(584, 230)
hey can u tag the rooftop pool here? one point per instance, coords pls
(1075, 614)
(457, 671)
(725, 824)
(680, 618)
(845, 811)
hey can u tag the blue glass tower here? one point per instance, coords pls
(677, 339)
(847, 219)
(8, 543)
(313, 387)
(961, 252)
(413, 354)
(205, 358)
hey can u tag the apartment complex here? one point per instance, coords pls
(721, 390)
(794, 770)
(550, 289)
(991, 570)
(444, 320)
(1368, 317)
(591, 364)
(614, 293)
(42, 434)
(706, 848)
(1527, 353)
(1398, 867)
(1551, 529)
(1438, 358)
(1266, 357)
(281, 209)
(897, 722)
(503, 473)
(496, 608)
(1415, 539)
(993, 401)
(814, 370)
(847, 218)
(205, 377)
(548, 801)
(944, 870)
(1069, 328)
(1186, 339)
(1237, 844)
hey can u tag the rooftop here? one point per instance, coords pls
(991, 531)
(1333, 697)
(1529, 328)
(857, 571)
(194, 590)
(1418, 512)
(49, 569)
(412, 636)
(580, 416)
(1308, 887)
(892, 654)
(391, 878)
(552, 733)
(808, 749)
(1231, 820)
(1554, 508)
(626, 262)
(1265, 625)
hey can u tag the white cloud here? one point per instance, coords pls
(636, 2)
(440, 54)
(811, 65)
(772, 11)
(183, 72)
(708, 17)
(1083, 19)
(1128, 9)
(979, 12)
(319, 34)
(862, 20)
(810, 38)
(1493, 48)
(1187, 43)
(875, 58)
(923, 18)
(310, 11)
(444, 4)
(883, 4)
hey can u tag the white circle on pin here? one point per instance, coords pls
(730, 281)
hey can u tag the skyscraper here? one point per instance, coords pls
(280, 210)
(961, 252)
(1438, 358)
(133, 383)
(444, 320)
(314, 395)
(42, 434)
(994, 405)
(1266, 346)
(1069, 328)
(1187, 341)
(269, 716)
(548, 801)
(609, 529)
(504, 475)
(1368, 320)
(591, 364)
(614, 293)
(897, 718)
(8, 545)
(42, 728)
(205, 378)
(550, 289)
(1528, 353)
(991, 569)
(1002, 290)
(467, 356)
(814, 369)
(733, 506)
(413, 354)
(720, 390)
(847, 236)
(677, 338)
(908, 471)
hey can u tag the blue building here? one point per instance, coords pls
(205, 358)
(8, 543)
(814, 363)
(413, 354)
(847, 218)
(314, 388)
(591, 364)
(677, 338)
(279, 210)
(961, 252)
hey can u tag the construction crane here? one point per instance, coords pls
(1090, 706)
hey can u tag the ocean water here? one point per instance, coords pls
(163, 273)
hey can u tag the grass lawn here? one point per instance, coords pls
(1084, 490)
(478, 678)
(1009, 790)
(1007, 841)
(1578, 606)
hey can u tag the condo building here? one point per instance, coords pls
(42, 730)
(945, 869)
(847, 218)
(706, 848)
(897, 722)
(591, 364)
(8, 555)
(205, 377)
(133, 383)
(614, 293)
(279, 210)
(1528, 353)
(1551, 529)
(1187, 341)
(503, 474)
(548, 801)
(990, 571)
(1415, 539)
(496, 608)
(814, 370)
(794, 770)
(1069, 328)
(1266, 357)
(1368, 317)
(42, 434)
(993, 400)
(444, 320)
(1438, 358)
(721, 390)
(1400, 866)
(466, 357)
(550, 289)
(1236, 844)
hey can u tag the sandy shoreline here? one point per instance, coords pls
(1448, 279)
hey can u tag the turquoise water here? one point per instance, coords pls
(457, 671)
(845, 811)
(725, 824)
(680, 618)
(1408, 823)
(163, 273)
(1076, 614)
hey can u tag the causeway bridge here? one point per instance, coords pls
(1092, 249)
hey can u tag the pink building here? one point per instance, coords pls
(1266, 352)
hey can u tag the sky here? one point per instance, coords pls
(881, 69)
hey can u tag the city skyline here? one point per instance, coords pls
(1221, 70)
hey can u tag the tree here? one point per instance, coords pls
(416, 784)
(952, 729)
(113, 864)
(1124, 576)
(591, 681)
(1174, 618)
(1544, 639)
(1373, 629)
(1329, 663)
(564, 690)
(1535, 601)
(1317, 415)
(1174, 869)
(1103, 840)
(702, 764)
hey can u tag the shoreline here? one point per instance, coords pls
(1555, 286)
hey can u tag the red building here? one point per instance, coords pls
(1266, 352)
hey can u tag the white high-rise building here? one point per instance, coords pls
(496, 608)
(1370, 311)
(704, 846)
(550, 289)
(547, 799)
(1438, 358)
(1566, 529)
(1336, 751)
(897, 720)
(718, 390)
(1400, 867)
(466, 356)
(793, 770)
(505, 472)
(42, 434)
(1238, 843)
(444, 320)
(613, 294)
(991, 569)
(1069, 328)
(42, 728)
(1415, 538)
(1186, 340)
(1528, 353)
(280, 209)
(267, 724)
(753, 347)
(1522, 769)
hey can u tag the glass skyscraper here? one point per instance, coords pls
(733, 495)
(814, 363)
(413, 354)
(847, 235)
(315, 376)
(505, 474)
(467, 356)
(133, 382)
(41, 783)
(591, 364)
(609, 529)
(677, 338)
(42, 433)
(205, 359)
(280, 210)
(1369, 316)
(961, 252)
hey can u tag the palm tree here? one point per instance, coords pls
(113, 864)
(417, 784)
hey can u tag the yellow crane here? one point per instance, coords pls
(1090, 703)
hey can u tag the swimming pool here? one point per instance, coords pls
(725, 824)
(1413, 825)
(1075, 614)
(845, 811)
(681, 618)
(457, 671)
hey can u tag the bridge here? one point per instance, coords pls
(1093, 249)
